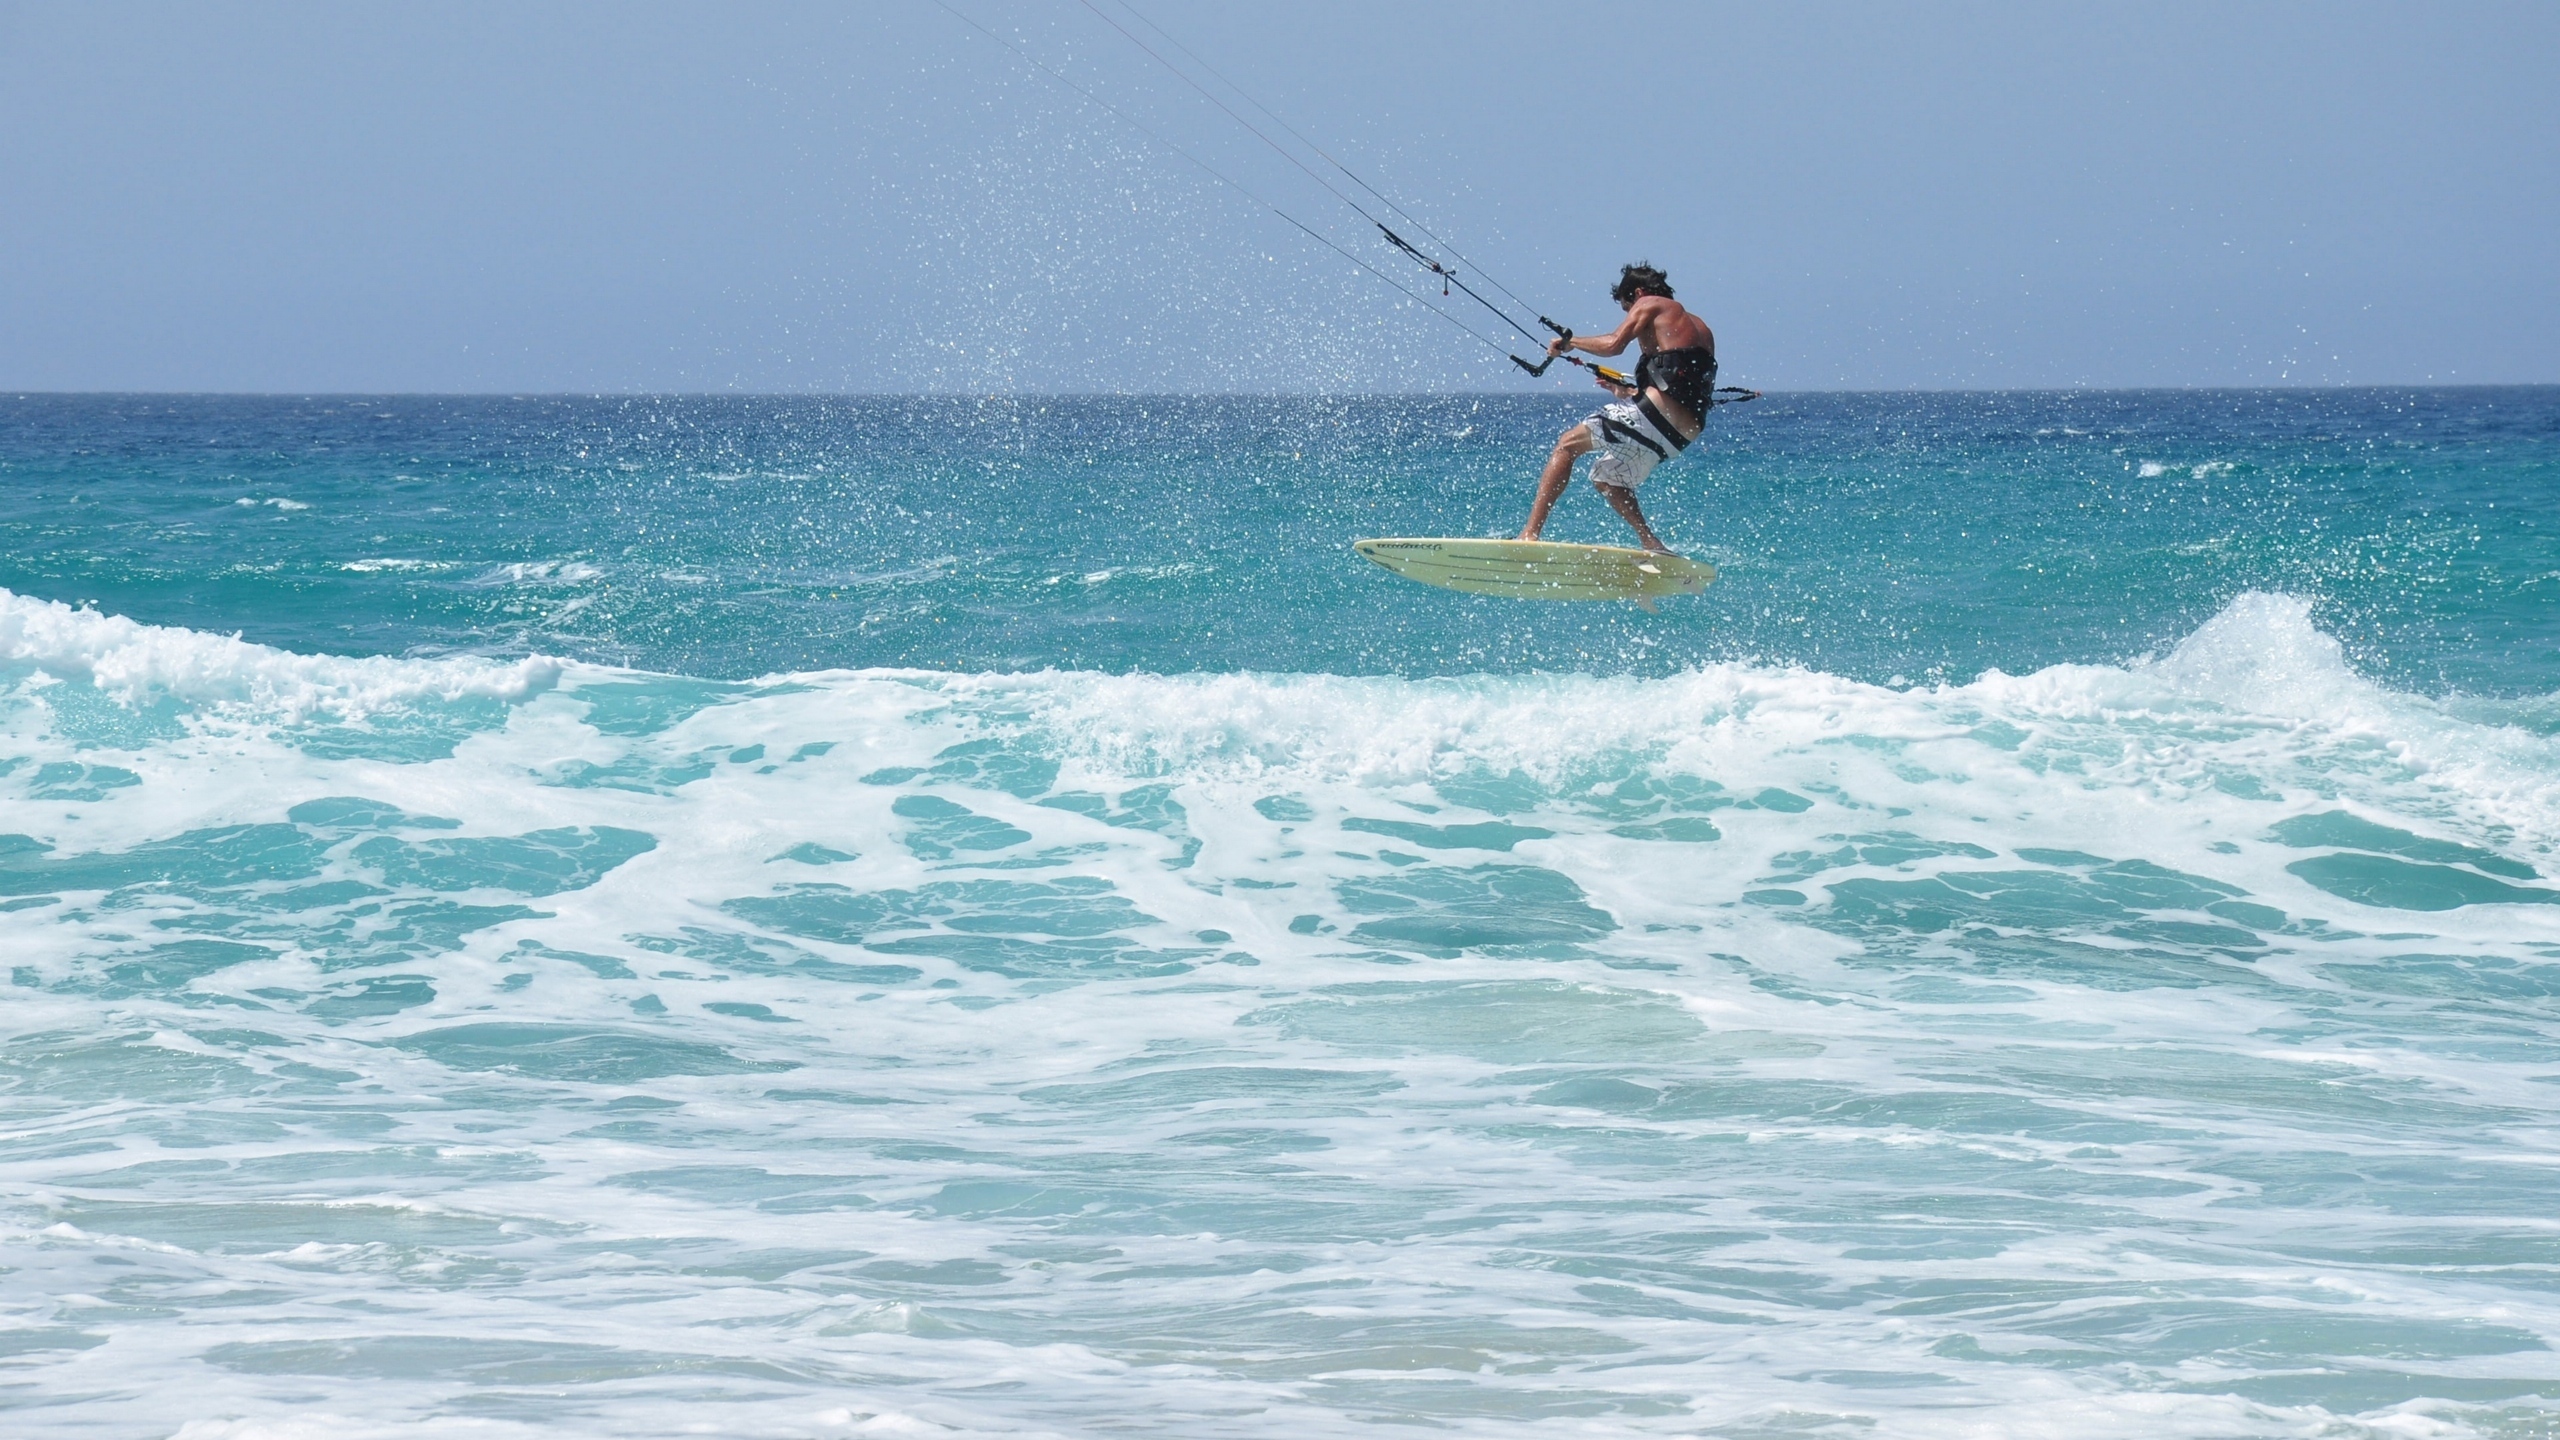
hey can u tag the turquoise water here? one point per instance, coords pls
(831, 917)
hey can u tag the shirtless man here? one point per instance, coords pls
(1650, 421)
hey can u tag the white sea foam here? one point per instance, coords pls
(2264, 655)
(2261, 667)
(1175, 571)
(1132, 1089)
(539, 572)
(2154, 469)
(137, 663)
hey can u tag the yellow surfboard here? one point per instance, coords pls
(1541, 569)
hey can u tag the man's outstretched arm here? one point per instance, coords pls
(1616, 340)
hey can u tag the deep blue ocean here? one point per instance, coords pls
(939, 917)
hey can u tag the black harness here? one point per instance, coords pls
(1661, 422)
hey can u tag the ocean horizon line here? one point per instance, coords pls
(2424, 387)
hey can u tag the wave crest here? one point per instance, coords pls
(138, 663)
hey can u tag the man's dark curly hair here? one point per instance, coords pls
(1639, 279)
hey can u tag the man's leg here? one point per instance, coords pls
(1623, 500)
(1570, 446)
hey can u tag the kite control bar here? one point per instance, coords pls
(1563, 331)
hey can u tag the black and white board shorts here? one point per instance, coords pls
(1630, 442)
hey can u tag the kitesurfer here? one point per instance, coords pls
(1652, 419)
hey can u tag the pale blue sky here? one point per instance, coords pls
(866, 197)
